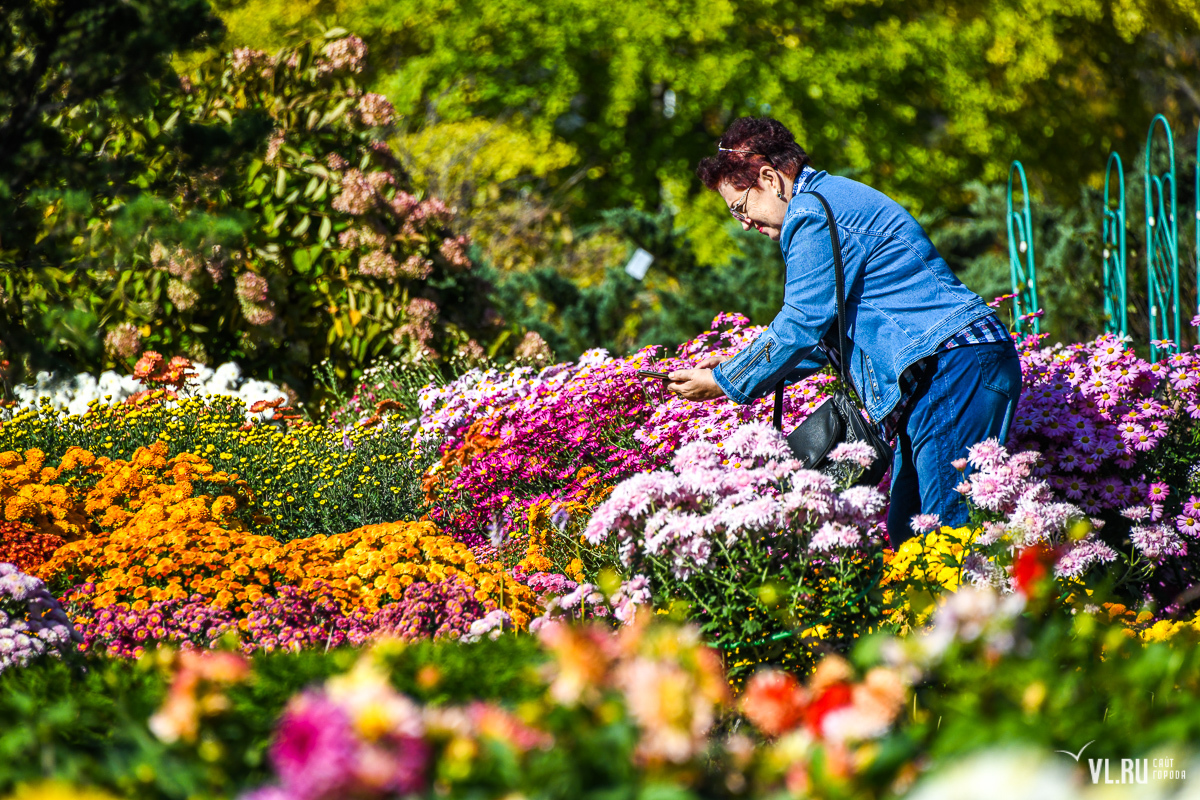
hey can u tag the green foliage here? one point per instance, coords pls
(74, 70)
(911, 97)
(273, 226)
(1076, 680)
(758, 608)
(85, 721)
(678, 296)
(1048, 677)
(498, 174)
(447, 672)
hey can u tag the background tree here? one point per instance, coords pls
(73, 70)
(559, 135)
(912, 97)
(927, 101)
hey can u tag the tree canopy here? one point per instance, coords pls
(73, 70)
(916, 98)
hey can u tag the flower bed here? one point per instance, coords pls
(581, 709)
(201, 536)
(523, 473)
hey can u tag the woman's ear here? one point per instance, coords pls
(769, 179)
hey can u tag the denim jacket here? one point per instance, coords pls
(902, 299)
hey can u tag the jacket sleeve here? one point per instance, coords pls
(786, 349)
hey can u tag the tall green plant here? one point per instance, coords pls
(276, 227)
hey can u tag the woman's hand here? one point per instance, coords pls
(708, 362)
(694, 384)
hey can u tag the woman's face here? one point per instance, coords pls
(759, 207)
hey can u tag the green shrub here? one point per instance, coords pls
(270, 224)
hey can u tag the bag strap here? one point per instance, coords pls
(839, 278)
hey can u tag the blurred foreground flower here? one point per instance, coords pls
(196, 691)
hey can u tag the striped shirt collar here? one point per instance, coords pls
(802, 179)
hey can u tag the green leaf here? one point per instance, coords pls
(225, 116)
(280, 182)
(317, 169)
(498, 343)
(300, 260)
(254, 168)
(171, 120)
(336, 111)
(325, 229)
(279, 218)
(302, 226)
(335, 33)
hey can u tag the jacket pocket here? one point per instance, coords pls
(871, 384)
(765, 352)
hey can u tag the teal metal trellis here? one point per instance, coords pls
(1020, 255)
(1115, 302)
(1162, 238)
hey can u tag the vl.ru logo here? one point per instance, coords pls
(1132, 770)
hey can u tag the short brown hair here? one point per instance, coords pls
(770, 144)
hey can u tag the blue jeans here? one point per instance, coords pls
(969, 395)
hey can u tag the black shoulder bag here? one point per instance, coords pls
(838, 419)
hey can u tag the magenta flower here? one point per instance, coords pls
(834, 535)
(1188, 523)
(1143, 442)
(1183, 379)
(859, 453)
(1136, 513)
(314, 748)
(1082, 556)
(985, 454)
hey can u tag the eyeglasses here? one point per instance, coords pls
(738, 209)
(747, 152)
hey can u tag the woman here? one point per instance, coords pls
(929, 360)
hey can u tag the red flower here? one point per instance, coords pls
(774, 702)
(838, 695)
(1032, 567)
